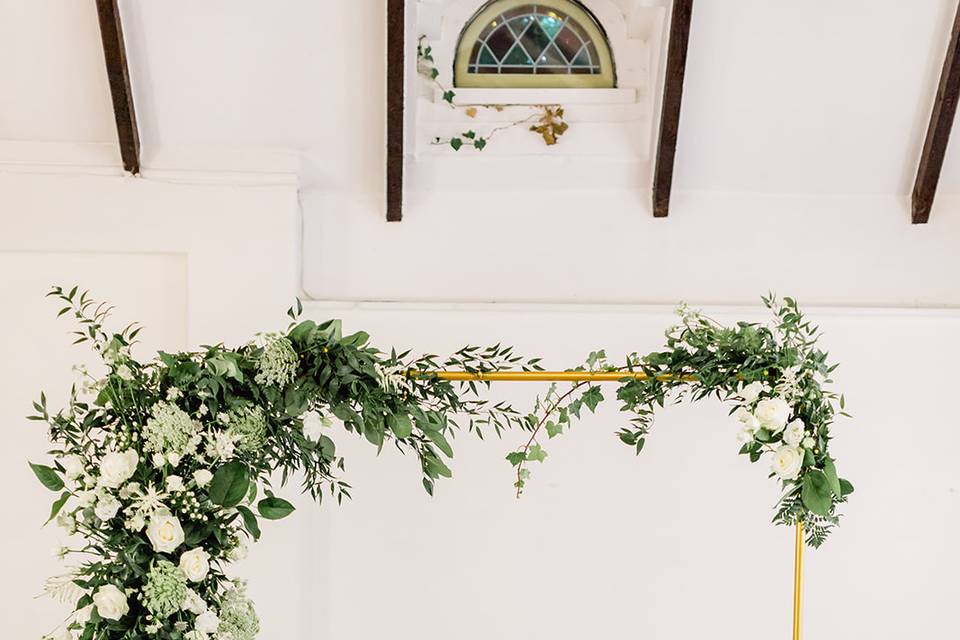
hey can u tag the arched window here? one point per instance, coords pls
(519, 43)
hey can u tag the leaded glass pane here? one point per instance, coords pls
(534, 39)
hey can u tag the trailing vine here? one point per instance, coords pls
(547, 121)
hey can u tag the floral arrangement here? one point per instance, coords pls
(772, 376)
(165, 469)
(547, 121)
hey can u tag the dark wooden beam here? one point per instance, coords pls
(115, 55)
(938, 133)
(672, 99)
(396, 63)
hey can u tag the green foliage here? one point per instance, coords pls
(47, 476)
(702, 358)
(196, 436)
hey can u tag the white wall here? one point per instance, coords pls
(674, 544)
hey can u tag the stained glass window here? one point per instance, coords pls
(555, 43)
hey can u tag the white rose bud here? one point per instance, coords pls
(746, 435)
(135, 523)
(751, 392)
(158, 460)
(73, 466)
(111, 603)
(86, 498)
(116, 467)
(107, 507)
(794, 433)
(173, 459)
(312, 426)
(773, 414)
(787, 461)
(174, 483)
(124, 372)
(809, 442)
(164, 532)
(207, 622)
(67, 522)
(748, 419)
(202, 477)
(194, 603)
(195, 564)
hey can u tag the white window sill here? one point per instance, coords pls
(472, 96)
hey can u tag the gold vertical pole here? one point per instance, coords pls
(797, 580)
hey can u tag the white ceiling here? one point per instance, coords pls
(789, 97)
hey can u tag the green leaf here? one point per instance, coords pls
(357, 339)
(456, 143)
(57, 506)
(400, 425)
(439, 440)
(274, 508)
(250, 522)
(434, 73)
(536, 453)
(846, 488)
(816, 494)
(448, 96)
(554, 429)
(48, 477)
(592, 397)
(830, 471)
(479, 144)
(516, 458)
(229, 484)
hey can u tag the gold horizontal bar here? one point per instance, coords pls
(540, 376)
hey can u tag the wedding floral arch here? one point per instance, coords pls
(164, 468)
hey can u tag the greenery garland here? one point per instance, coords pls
(773, 376)
(164, 469)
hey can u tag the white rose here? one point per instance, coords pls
(164, 532)
(809, 442)
(111, 603)
(107, 507)
(173, 459)
(202, 477)
(207, 622)
(67, 522)
(124, 372)
(751, 392)
(746, 434)
(116, 467)
(773, 414)
(195, 564)
(86, 498)
(174, 483)
(73, 466)
(748, 419)
(313, 424)
(794, 433)
(130, 490)
(158, 460)
(194, 603)
(787, 461)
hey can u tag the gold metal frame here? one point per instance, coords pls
(615, 376)
(606, 79)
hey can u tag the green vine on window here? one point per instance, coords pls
(547, 121)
